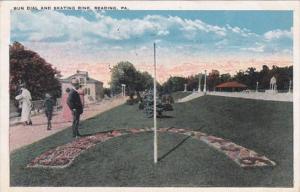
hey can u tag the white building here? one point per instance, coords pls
(93, 89)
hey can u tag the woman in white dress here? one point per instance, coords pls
(25, 98)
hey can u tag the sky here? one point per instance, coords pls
(188, 42)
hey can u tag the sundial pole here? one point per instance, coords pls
(154, 108)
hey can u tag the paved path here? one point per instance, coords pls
(287, 97)
(20, 135)
(190, 97)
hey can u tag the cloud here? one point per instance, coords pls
(42, 25)
(240, 31)
(278, 34)
(67, 39)
(258, 49)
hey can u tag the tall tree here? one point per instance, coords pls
(38, 75)
(125, 73)
(251, 78)
(213, 79)
(174, 84)
(264, 77)
(225, 77)
(144, 81)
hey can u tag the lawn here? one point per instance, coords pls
(264, 126)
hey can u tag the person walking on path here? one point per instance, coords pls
(75, 105)
(48, 104)
(67, 113)
(25, 98)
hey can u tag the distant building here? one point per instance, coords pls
(231, 86)
(93, 89)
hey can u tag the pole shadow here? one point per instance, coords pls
(165, 117)
(173, 149)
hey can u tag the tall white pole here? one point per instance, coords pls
(199, 86)
(204, 88)
(154, 107)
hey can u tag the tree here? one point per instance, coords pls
(28, 67)
(240, 77)
(225, 77)
(125, 73)
(144, 81)
(213, 79)
(251, 78)
(283, 77)
(174, 84)
(193, 82)
(264, 77)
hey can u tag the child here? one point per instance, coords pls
(48, 104)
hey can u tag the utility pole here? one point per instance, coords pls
(154, 108)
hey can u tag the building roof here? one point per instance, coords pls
(232, 84)
(89, 79)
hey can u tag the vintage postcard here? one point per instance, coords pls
(141, 95)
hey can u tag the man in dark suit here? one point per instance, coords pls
(75, 105)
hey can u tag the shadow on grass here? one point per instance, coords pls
(165, 117)
(39, 124)
(173, 149)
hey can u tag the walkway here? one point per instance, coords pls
(287, 97)
(190, 97)
(20, 135)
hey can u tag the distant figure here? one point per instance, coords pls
(48, 104)
(67, 113)
(81, 95)
(273, 85)
(25, 98)
(75, 105)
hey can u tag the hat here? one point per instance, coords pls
(47, 95)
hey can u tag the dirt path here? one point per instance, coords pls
(20, 135)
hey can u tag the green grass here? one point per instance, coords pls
(264, 126)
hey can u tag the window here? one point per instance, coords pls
(89, 91)
(81, 80)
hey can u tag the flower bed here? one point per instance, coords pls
(63, 156)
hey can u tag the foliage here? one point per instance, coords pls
(174, 84)
(28, 67)
(163, 103)
(144, 81)
(125, 73)
(149, 105)
(131, 100)
(107, 91)
(213, 79)
(249, 77)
